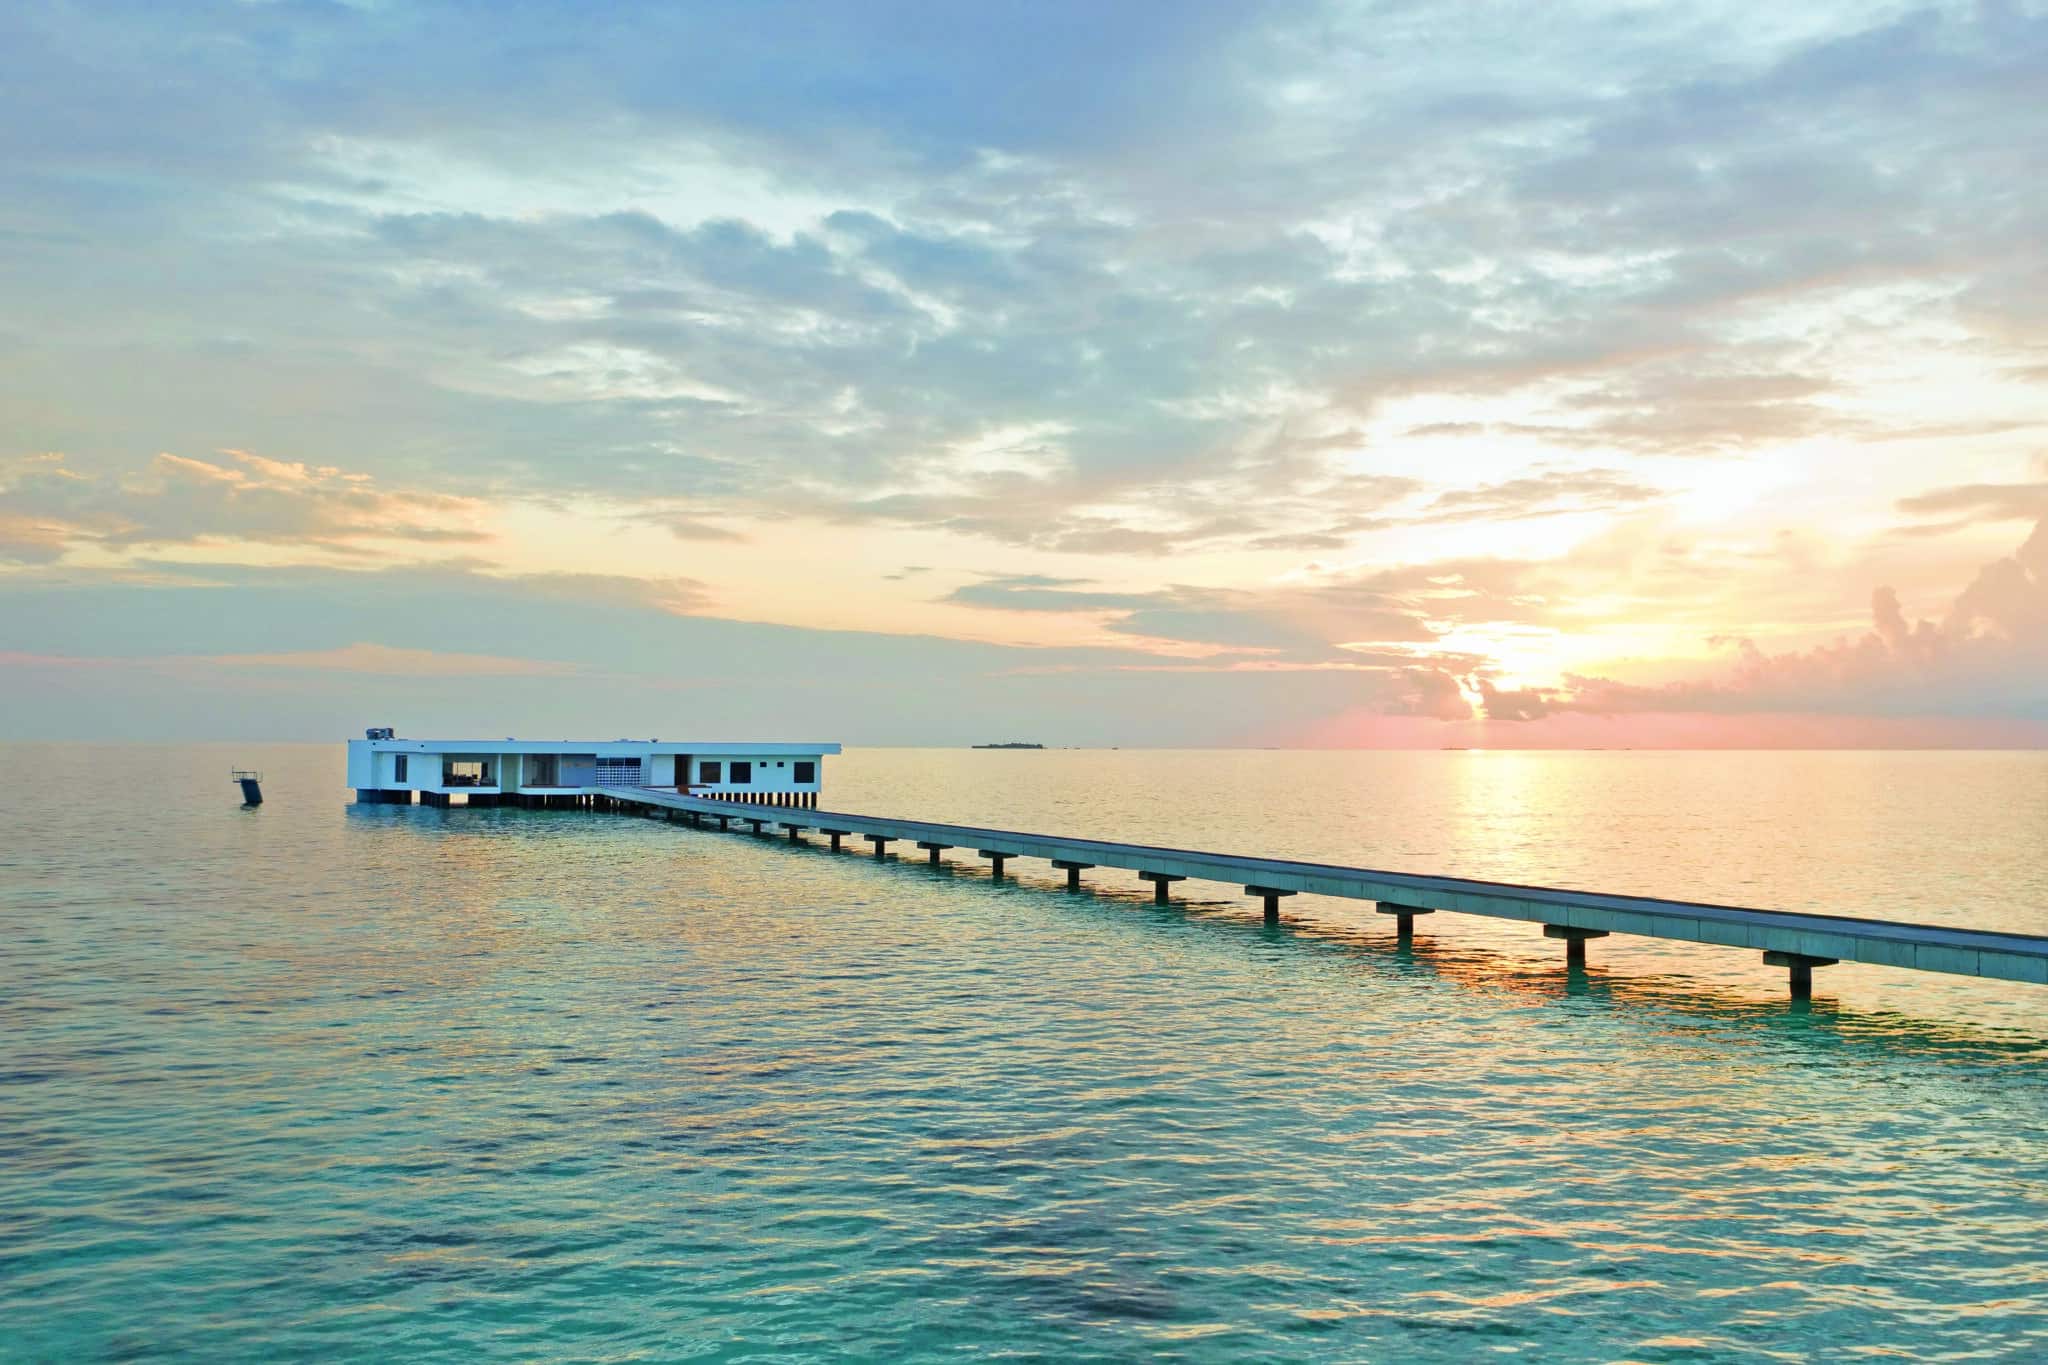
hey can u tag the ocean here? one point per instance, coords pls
(316, 1080)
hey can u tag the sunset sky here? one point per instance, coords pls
(1337, 374)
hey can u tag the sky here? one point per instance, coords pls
(1378, 374)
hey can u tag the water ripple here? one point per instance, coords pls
(333, 1082)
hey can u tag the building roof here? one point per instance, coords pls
(604, 748)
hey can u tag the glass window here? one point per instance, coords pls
(708, 772)
(806, 772)
(398, 768)
(742, 774)
(465, 772)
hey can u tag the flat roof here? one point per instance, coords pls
(603, 747)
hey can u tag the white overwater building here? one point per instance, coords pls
(569, 772)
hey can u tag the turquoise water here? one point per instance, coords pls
(324, 1081)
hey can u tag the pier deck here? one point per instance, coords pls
(1797, 941)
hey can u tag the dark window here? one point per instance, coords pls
(398, 768)
(708, 772)
(742, 774)
(806, 772)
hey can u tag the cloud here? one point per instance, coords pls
(1159, 305)
(672, 595)
(179, 500)
(29, 539)
(105, 650)
(689, 528)
(1497, 703)
(782, 275)
(1433, 693)
(1306, 624)
(1981, 502)
(1540, 494)
(387, 661)
(1986, 656)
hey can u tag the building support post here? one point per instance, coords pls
(1574, 941)
(881, 843)
(796, 831)
(835, 835)
(1270, 897)
(934, 849)
(1073, 871)
(996, 858)
(1161, 881)
(1801, 966)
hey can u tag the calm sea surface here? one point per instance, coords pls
(324, 1081)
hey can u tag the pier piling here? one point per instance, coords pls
(881, 843)
(996, 858)
(934, 849)
(1073, 871)
(835, 835)
(1574, 941)
(1801, 967)
(1270, 897)
(1404, 918)
(1161, 881)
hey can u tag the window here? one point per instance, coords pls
(709, 772)
(541, 771)
(465, 772)
(742, 774)
(398, 768)
(806, 772)
(618, 772)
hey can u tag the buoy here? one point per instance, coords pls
(252, 789)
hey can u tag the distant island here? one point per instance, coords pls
(1011, 745)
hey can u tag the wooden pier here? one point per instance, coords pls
(1798, 942)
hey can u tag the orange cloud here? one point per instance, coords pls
(1987, 657)
(246, 497)
(365, 657)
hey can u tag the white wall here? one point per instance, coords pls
(421, 770)
(772, 774)
(370, 769)
(374, 769)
